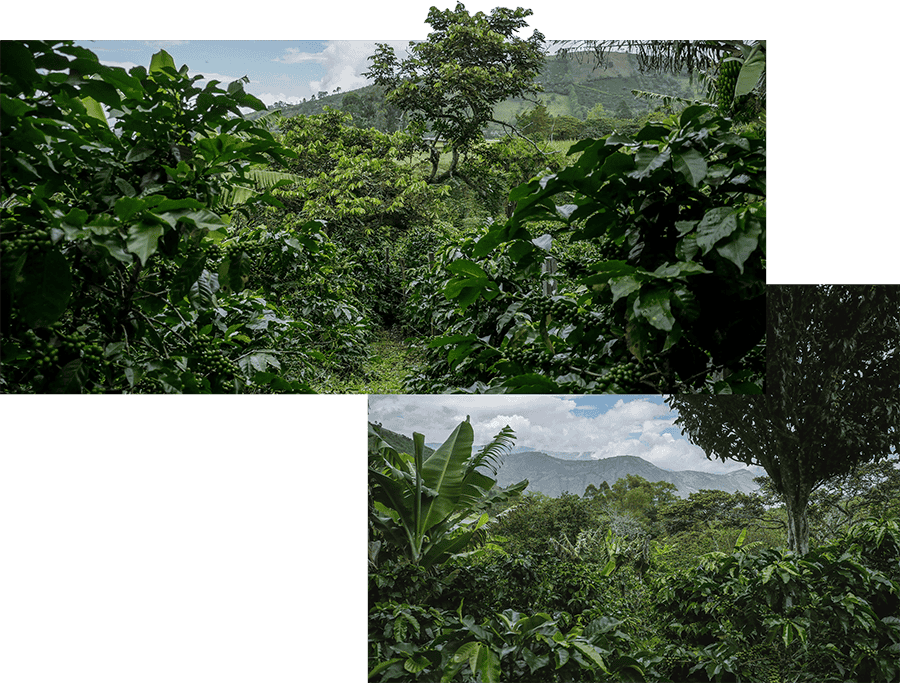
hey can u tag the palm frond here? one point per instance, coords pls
(270, 119)
(270, 179)
(669, 101)
(490, 455)
(262, 180)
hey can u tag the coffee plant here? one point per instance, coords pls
(672, 299)
(125, 267)
(768, 614)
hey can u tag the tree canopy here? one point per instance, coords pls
(452, 81)
(833, 398)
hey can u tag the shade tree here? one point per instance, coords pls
(833, 400)
(450, 82)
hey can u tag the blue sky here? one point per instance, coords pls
(279, 70)
(606, 426)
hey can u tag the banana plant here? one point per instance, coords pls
(431, 508)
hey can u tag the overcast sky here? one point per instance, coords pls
(606, 426)
(279, 70)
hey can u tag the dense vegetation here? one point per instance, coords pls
(625, 582)
(156, 239)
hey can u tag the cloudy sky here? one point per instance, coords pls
(604, 425)
(279, 70)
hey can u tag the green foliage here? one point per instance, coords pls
(508, 645)
(535, 123)
(746, 612)
(829, 616)
(119, 188)
(676, 301)
(390, 359)
(452, 80)
(871, 490)
(360, 183)
(297, 266)
(430, 508)
(707, 509)
(641, 499)
(529, 525)
(492, 168)
(355, 180)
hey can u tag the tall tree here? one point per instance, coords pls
(833, 398)
(535, 122)
(452, 81)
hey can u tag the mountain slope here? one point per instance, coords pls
(571, 86)
(553, 477)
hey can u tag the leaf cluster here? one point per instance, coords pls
(430, 508)
(679, 214)
(748, 614)
(120, 187)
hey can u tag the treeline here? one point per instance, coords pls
(540, 124)
(585, 98)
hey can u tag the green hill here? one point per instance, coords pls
(572, 86)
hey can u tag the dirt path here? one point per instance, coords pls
(392, 358)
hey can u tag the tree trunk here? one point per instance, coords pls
(798, 521)
(796, 502)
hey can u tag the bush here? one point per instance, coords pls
(118, 192)
(827, 616)
(678, 213)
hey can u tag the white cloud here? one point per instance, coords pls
(269, 99)
(634, 426)
(344, 62)
(125, 65)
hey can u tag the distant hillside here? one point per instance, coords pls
(553, 476)
(572, 87)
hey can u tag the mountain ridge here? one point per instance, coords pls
(554, 476)
(572, 86)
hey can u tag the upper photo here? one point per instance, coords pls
(485, 210)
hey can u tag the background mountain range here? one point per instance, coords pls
(555, 476)
(572, 86)
(572, 472)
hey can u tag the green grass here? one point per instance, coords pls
(391, 359)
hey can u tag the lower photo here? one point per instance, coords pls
(626, 538)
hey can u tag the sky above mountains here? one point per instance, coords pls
(279, 70)
(605, 425)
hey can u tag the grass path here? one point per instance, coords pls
(392, 358)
